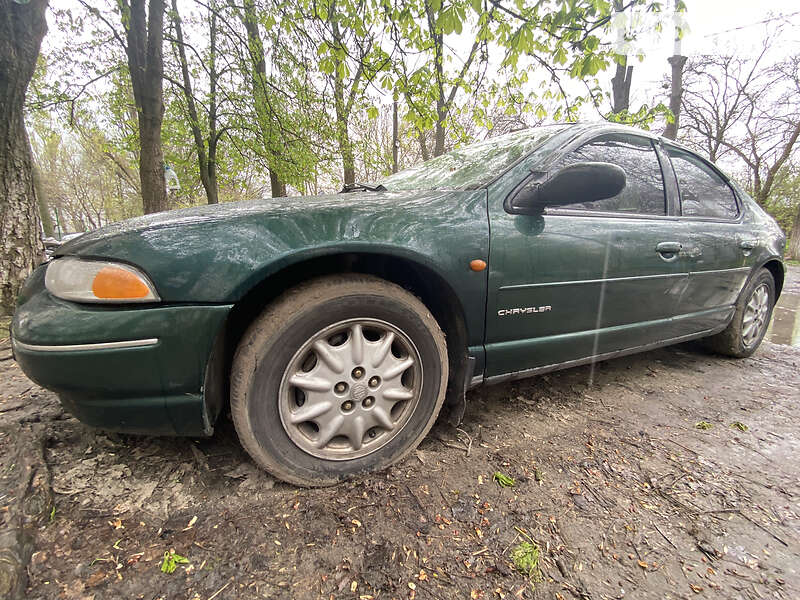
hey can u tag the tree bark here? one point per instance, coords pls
(22, 27)
(342, 107)
(206, 159)
(675, 95)
(41, 200)
(277, 186)
(676, 61)
(621, 88)
(258, 81)
(794, 239)
(395, 137)
(144, 48)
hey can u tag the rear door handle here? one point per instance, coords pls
(669, 247)
(747, 244)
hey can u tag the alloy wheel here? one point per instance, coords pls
(350, 389)
(755, 316)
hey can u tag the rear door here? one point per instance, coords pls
(718, 248)
(587, 279)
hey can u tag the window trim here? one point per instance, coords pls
(725, 179)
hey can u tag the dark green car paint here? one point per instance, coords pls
(154, 389)
(592, 285)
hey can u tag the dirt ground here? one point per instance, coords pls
(624, 495)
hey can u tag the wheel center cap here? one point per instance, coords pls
(358, 392)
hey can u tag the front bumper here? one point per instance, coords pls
(123, 368)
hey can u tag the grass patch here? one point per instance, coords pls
(525, 557)
(704, 425)
(739, 426)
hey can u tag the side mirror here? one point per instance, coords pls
(581, 182)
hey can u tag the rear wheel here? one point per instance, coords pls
(341, 375)
(750, 319)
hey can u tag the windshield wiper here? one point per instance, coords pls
(362, 187)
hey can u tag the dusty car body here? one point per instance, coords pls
(570, 279)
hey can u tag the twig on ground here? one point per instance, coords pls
(469, 446)
(219, 591)
(664, 535)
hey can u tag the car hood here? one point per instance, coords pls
(289, 207)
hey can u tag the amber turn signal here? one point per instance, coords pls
(113, 283)
(477, 264)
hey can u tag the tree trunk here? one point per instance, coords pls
(22, 27)
(794, 238)
(621, 88)
(205, 160)
(675, 95)
(423, 146)
(145, 36)
(439, 135)
(277, 186)
(395, 137)
(41, 200)
(258, 82)
(676, 61)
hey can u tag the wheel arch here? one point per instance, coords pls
(430, 286)
(776, 267)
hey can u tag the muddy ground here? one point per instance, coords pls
(624, 495)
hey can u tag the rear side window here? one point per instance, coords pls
(644, 188)
(703, 192)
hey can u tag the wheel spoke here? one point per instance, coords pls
(333, 362)
(382, 418)
(357, 344)
(354, 431)
(383, 350)
(329, 431)
(309, 412)
(310, 384)
(398, 394)
(397, 369)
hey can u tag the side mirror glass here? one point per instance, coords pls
(581, 182)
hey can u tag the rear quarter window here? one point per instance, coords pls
(703, 192)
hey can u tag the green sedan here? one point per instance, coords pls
(336, 327)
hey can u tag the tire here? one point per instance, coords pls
(302, 408)
(738, 340)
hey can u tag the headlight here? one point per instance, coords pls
(98, 281)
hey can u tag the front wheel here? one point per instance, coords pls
(750, 319)
(339, 376)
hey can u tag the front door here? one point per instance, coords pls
(587, 279)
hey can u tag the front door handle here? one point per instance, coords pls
(669, 247)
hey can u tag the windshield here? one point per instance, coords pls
(472, 166)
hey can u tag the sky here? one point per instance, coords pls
(715, 26)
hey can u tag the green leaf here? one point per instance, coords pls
(503, 480)
(171, 561)
(372, 112)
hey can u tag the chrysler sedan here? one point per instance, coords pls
(335, 328)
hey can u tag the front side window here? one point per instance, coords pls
(703, 192)
(644, 186)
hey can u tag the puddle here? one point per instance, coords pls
(785, 325)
